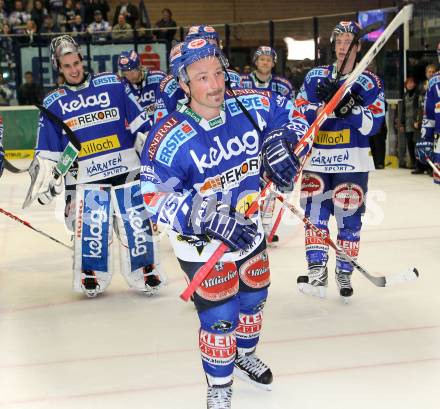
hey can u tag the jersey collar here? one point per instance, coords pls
(206, 124)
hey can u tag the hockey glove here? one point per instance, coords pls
(280, 163)
(348, 102)
(55, 188)
(325, 90)
(224, 223)
(424, 151)
(2, 155)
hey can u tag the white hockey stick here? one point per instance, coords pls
(434, 168)
(379, 281)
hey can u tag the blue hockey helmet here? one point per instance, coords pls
(264, 50)
(129, 60)
(206, 32)
(191, 52)
(345, 27)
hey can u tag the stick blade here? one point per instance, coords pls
(410, 275)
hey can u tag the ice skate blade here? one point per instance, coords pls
(243, 376)
(345, 300)
(314, 291)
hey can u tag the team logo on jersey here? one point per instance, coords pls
(333, 137)
(331, 160)
(218, 152)
(146, 96)
(53, 96)
(93, 118)
(102, 100)
(255, 271)
(159, 135)
(250, 102)
(365, 82)
(105, 80)
(199, 242)
(99, 145)
(348, 196)
(106, 167)
(172, 141)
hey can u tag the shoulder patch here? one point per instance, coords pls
(162, 131)
(165, 81)
(102, 79)
(435, 79)
(240, 92)
(375, 77)
(53, 96)
(155, 76)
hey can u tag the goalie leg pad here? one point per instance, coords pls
(93, 233)
(138, 261)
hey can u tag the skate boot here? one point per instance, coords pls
(219, 396)
(89, 284)
(343, 280)
(250, 368)
(152, 280)
(315, 282)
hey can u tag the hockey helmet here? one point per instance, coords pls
(264, 50)
(191, 52)
(63, 45)
(345, 27)
(206, 32)
(129, 60)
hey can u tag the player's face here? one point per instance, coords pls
(72, 68)
(206, 86)
(134, 76)
(342, 44)
(264, 64)
(429, 72)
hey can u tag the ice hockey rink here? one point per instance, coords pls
(122, 349)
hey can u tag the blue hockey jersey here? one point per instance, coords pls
(148, 91)
(342, 144)
(188, 154)
(431, 118)
(105, 116)
(275, 84)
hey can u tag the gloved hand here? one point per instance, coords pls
(55, 188)
(2, 155)
(280, 163)
(346, 105)
(424, 151)
(325, 89)
(224, 223)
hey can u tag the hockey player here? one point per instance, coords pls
(200, 172)
(104, 185)
(428, 147)
(335, 177)
(2, 151)
(262, 78)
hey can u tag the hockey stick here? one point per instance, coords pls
(11, 168)
(434, 168)
(372, 27)
(379, 281)
(27, 224)
(68, 156)
(307, 140)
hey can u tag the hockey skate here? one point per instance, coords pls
(343, 280)
(152, 280)
(315, 282)
(250, 368)
(219, 396)
(90, 284)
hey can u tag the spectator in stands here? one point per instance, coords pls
(408, 120)
(247, 69)
(5, 92)
(80, 9)
(55, 8)
(18, 18)
(37, 13)
(122, 31)
(29, 33)
(49, 29)
(30, 92)
(6, 46)
(78, 29)
(130, 12)
(68, 15)
(91, 6)
(99, 29)
(164, 25)
(3, 14)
